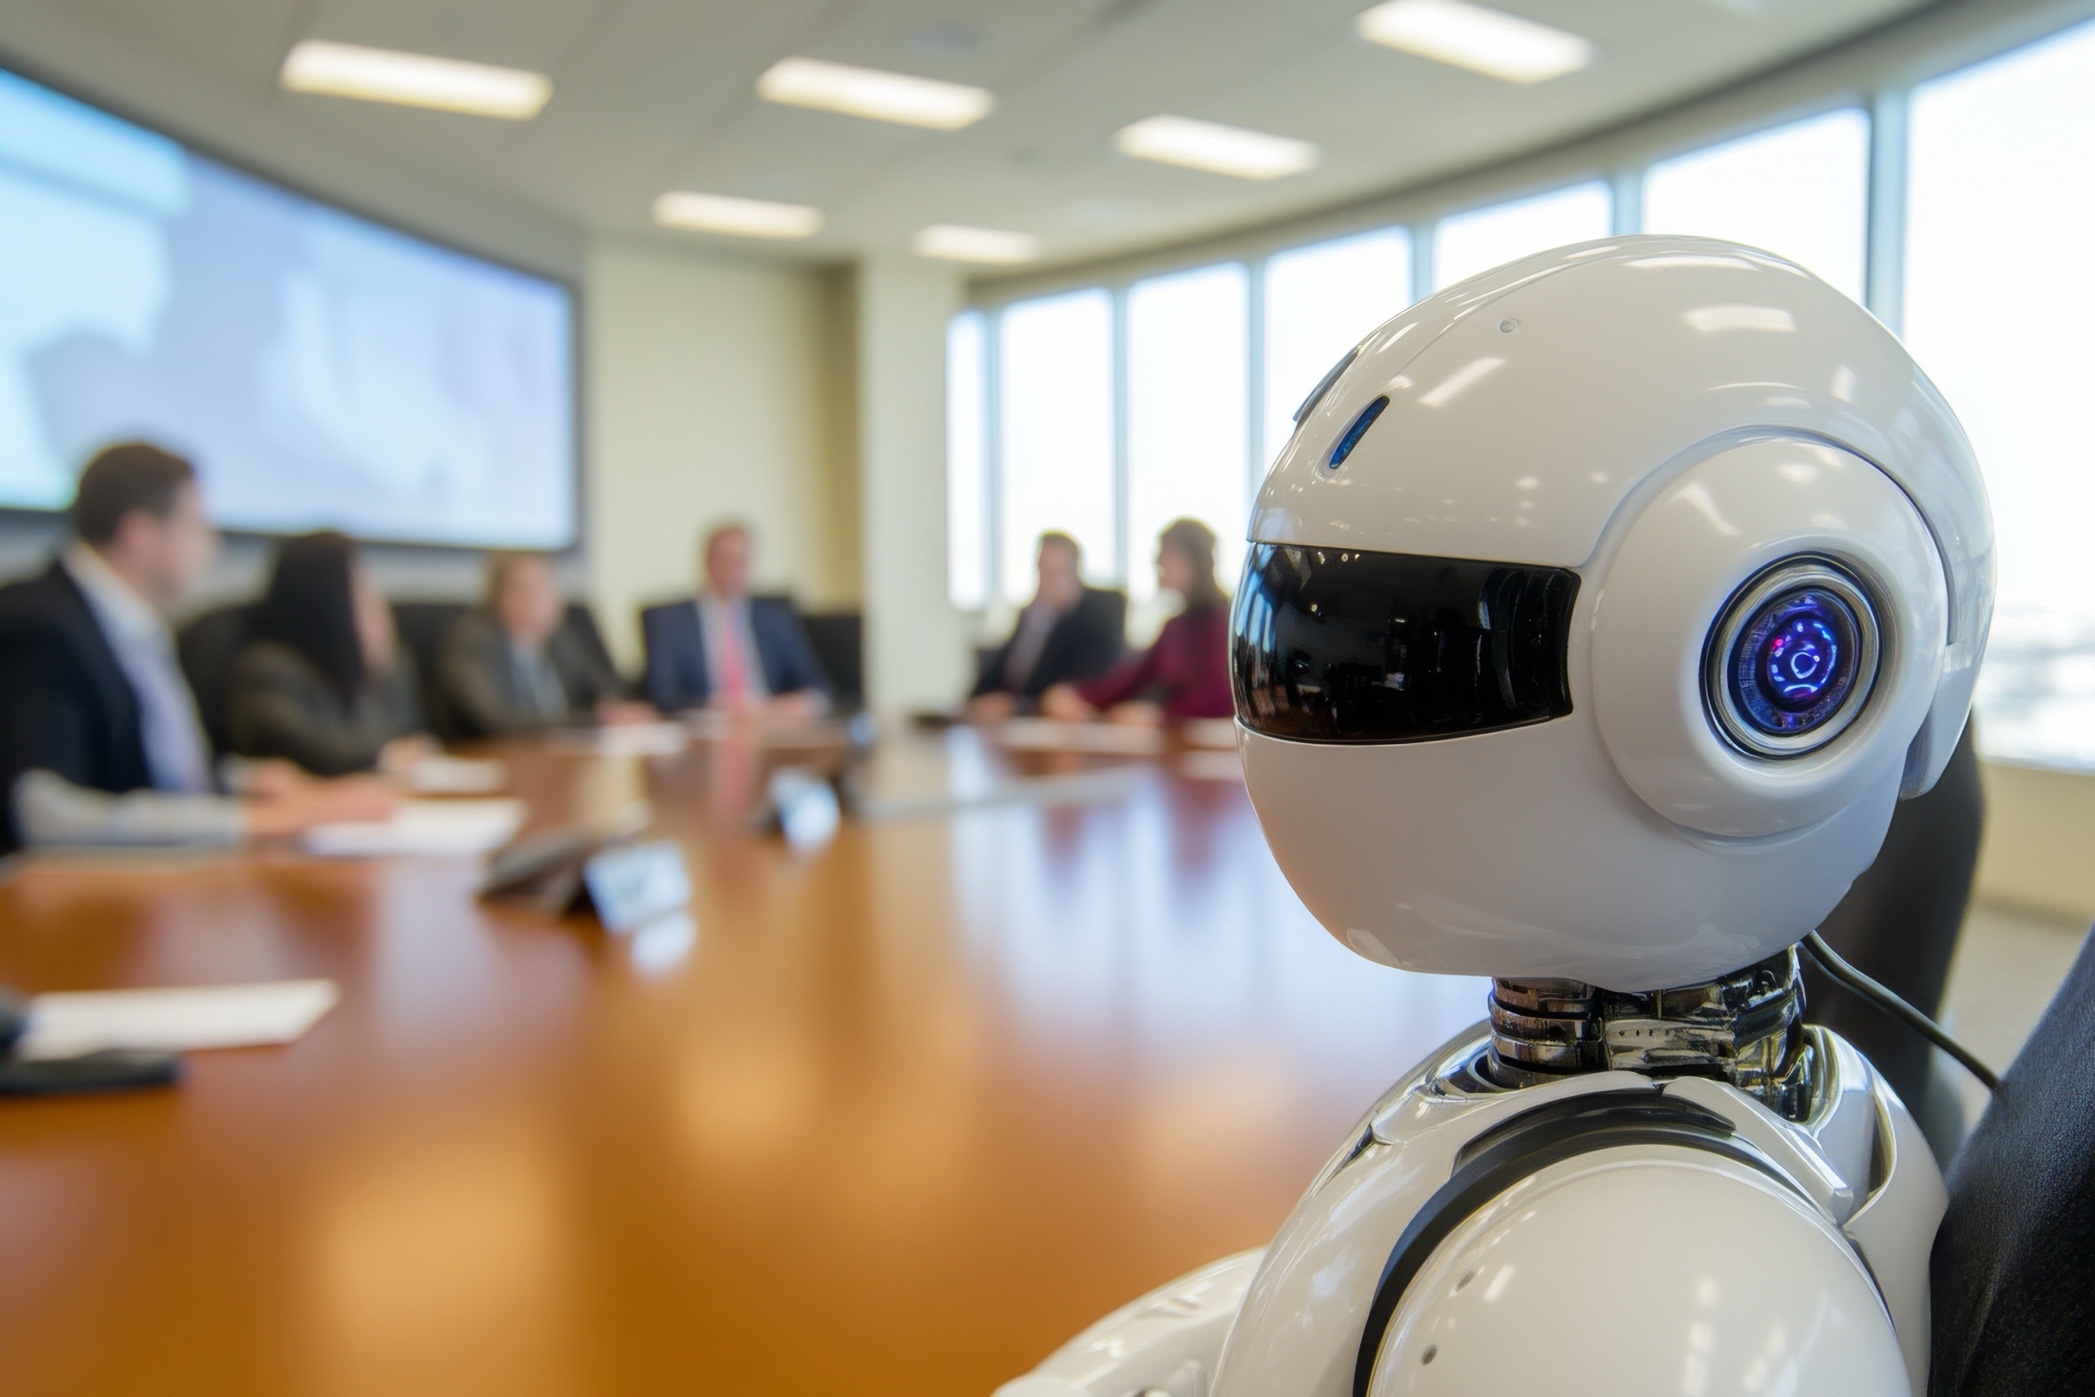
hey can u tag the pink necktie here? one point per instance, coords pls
(734, 665)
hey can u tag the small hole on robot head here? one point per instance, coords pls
(1467, 1277)
(1432, 1352)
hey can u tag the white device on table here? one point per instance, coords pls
(1594, 620)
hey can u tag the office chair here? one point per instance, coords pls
(1899, 925)
(2014, 1261)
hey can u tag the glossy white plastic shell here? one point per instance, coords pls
(1665, 416)
(1841, 1219)
(1717, 523)
(1531, 405)
(1632, 1259)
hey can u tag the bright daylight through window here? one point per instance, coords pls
(1186, 413)
(1999, 293)
(1055, 433)
(967, 462)
(1800, 190)
(1481, 239)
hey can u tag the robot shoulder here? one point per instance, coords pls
(1651, 1268)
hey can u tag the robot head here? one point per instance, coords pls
(1599, 612)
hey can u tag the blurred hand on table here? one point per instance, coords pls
(297, 803)
(990, 708)
(618, 713)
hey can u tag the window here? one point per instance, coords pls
(967, 463)
(1482, 239)
(1320, 302)
(1800, 190)
(1055, 432)
(2000, 290)
(1187, 414)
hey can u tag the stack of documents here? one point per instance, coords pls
(457, 776)
(423, 827)
(171, 1020)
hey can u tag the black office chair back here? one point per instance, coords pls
(421, 626)
(581, 621)
(206, 648)
(2014, 1263)
(838, 640)
(1899, 925)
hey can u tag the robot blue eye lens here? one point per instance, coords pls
(1800, 661)
(1795, 662)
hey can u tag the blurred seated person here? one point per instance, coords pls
(728, 650)
(1068, 631)
(1185, 673)
(323, 681)
(99, 738)
(514, 666)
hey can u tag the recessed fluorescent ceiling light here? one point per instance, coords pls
(956, 242)
(1208, 145)
(745, 218)
(1475, 37)
(868, 92)
(414, 80)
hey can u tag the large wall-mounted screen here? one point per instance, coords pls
(321, 369)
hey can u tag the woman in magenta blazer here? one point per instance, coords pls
(1185, 674)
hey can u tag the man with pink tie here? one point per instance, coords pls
(726, 649)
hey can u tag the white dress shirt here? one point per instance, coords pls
(175, 750)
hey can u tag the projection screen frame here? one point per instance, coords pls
(14, 63)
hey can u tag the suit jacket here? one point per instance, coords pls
(677, 677)
(1086, 641)
(279, 705)
(482, 691)
(66, 705)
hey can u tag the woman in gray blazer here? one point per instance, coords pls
(323, 681)
(513, 665)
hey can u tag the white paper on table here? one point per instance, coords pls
(625, 740)
(1111, 739)
(422, 827)
(1209, 765)
(211, 1016)
(457, 776)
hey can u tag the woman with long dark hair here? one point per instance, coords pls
(323, 681)
(1185, 673)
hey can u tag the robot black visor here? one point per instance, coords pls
(1331, 645)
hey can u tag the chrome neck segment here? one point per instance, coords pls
(1746, 1028)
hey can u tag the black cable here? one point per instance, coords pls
(1830, 961)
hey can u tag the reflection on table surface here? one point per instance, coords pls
(897, 1114)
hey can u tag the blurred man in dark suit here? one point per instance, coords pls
(99, 739)
(726, 649)
(1067, 632)
(514, 665)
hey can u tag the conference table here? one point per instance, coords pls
(896, 1111)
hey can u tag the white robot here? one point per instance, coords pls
(1595, 618)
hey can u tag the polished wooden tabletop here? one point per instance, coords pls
(895, 1114)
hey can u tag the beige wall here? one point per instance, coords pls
(717, 387)
(916, 644)
(2039, 850)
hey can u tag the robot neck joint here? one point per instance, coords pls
(1746, 1028)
